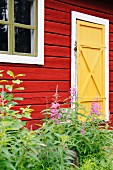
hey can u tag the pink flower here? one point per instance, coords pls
(57, 122)
(54, 111)
(93, 119)
(82, 131)
(73, 91)
(58, 116)
(55, 105)
(96, 109)
(55, 115)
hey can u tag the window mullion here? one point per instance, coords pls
(4, 22)
(24, 26)
(35, 24)
(9, 30)
(11, 26)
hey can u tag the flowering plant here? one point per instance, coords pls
(64, 142)
(80, 137)
(18, 145)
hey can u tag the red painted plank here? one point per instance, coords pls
(110, 65)
(57, 51)
(36, 86)
(57, 62)
(111, 75)
(59, 28)
(55, 39)
(57, 5)
(111, 45)
(38, 73)
(111, 28)
(57, 16)
(101, 6)
(111, 107)
(111, 37)
(111, 96)
(42, 86)
(111, 55)
(111, 86)
(61, 16)
(40, 97)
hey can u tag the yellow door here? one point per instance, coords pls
(91, 63)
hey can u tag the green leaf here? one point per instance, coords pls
(10, 165)
(1, 71)
(1, 86)
(20, 75)
(12, 103)
(1, 75)
(8, 97)
(19, 88)
(23, 123)
(1, 81)
(18, 116)
(17, 81)
(10, 73)
(18, 98)
(27, 115)
(6, 152)
(9, 87)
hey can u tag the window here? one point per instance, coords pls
(22, 31)
(90, 60)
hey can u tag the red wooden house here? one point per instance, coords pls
(59, 42)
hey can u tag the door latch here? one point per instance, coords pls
(75, 48)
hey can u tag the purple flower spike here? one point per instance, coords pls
(73, 91)
(82, 131)
(96, 109)
(55, 105)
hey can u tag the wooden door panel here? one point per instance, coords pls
(91, 63)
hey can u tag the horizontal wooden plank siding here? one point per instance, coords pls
(58, 13)
(40, 81)
(60, 9)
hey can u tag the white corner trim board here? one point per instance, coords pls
(97, 20)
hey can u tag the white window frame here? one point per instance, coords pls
(39, 59)
(97, 20)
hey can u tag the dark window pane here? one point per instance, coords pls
(23, 38)
(3, 10)
(3, 38)
(23, 11)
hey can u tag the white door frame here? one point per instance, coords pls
(97, 20)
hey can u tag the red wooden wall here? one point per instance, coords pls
(58, 12)
(40, 81)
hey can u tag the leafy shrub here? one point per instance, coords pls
(18, 145)
(64, 131)
(64, 142)
(98, 161)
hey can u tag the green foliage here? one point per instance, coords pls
(57, 154)
(70, 140)
(19, 147)
(63, 142)
(98, 161)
